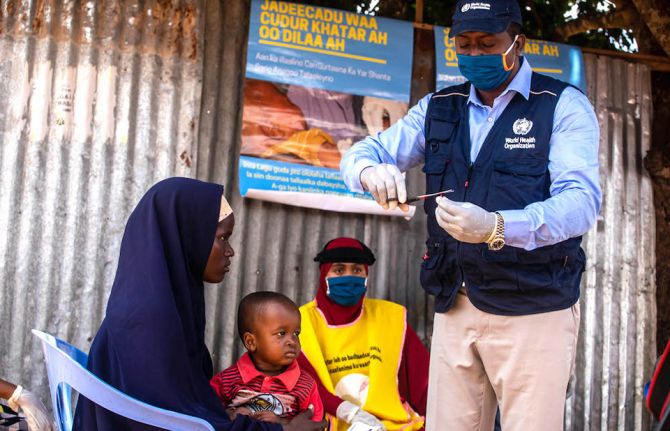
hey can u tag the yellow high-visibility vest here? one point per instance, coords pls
(369, 347)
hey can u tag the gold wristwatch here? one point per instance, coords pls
(497, 239)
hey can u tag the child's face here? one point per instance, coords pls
(274, 343)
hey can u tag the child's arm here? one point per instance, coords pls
(314, 400)
(329, 401)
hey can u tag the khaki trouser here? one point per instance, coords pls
(480, 360)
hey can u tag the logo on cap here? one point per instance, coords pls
(522, 126)
(474, 6)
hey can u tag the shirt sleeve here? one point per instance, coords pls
(315, 400)
(402, 145)
(575, 183)
(329, 400)
(219, 388)
(413, 372)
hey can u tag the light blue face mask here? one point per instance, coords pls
(486, 72)
(346, 290)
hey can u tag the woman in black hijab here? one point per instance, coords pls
(151, 343)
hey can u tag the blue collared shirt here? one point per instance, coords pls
(573, 161)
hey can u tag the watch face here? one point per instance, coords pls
(497, 244)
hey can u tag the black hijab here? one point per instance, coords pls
(151, 343)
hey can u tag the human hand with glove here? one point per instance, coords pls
(387, 185)
(465, 221)
(37, 416)
(353, 414)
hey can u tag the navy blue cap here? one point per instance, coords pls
(489, 16)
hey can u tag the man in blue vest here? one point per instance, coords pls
(520, 151)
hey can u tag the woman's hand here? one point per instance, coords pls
(234, 411)
(304, 422)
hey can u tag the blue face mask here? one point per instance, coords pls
(486, 72)
(346, 290)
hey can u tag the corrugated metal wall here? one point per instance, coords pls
(101, 99)
(617, 336)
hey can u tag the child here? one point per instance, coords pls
(267, 383)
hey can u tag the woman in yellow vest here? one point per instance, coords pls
(371, 367)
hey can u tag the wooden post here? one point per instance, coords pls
(419, 11)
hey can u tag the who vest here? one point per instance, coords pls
(510, 172)
(359, 361)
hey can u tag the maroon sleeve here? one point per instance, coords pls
(330, 401)
(414, 369)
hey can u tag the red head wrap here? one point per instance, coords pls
(344, 250)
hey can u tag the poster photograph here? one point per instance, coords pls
(318, 80)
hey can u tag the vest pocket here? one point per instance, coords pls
(513, 269)
(438, 149)
(435, 165)
(436, 276)
(536, 270)
(572, 266)
(501, 272)
(517, 183)
(434, 168)
(442, 124)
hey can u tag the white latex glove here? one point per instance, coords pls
(385, 181)
(37, 416)
(352, 414)
(464, 221)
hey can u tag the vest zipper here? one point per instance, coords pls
(467, 181)
(465, 195)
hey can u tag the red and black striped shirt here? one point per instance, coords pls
(285, 394)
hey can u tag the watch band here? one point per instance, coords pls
(497, 239)
(494, 231)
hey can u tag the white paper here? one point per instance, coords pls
(328, 202)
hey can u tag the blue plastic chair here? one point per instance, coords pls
(66, 368)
